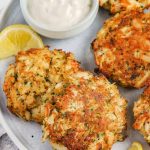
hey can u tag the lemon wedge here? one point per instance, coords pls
(136, 146)
(18, 37)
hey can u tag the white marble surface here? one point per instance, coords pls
(2, 131)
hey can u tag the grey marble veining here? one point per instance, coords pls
(5, 141)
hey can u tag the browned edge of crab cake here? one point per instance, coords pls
(122, 48)
(89, 116)
(142, 114)
(35, 77)
(105, 4)
(124, 5)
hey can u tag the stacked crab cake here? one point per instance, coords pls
(81, 111)
(115, 6)
(36, 77)
(122, 48)
(142, 114)
(90, 115)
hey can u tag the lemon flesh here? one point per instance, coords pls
(136, 146)
(16, 38)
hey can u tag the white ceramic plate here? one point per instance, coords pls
(27, 135)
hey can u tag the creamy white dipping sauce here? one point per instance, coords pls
(59, 14)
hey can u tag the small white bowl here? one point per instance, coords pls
(60, 34)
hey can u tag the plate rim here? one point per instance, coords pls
(4, 124)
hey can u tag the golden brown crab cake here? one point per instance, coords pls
(122, 48)
(115, 6)
(142, 114)
(88, 116)
(37, 76)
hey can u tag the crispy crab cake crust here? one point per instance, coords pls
(122, 48)
(89, 116)
(37, 76)
(115, 6)
(142, 114)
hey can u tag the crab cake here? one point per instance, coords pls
(115, 6)
(88, 116)
(122, 48)
(37, 76)
(142, 114)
